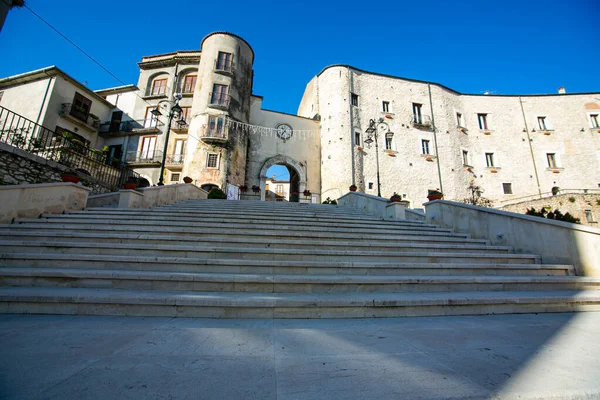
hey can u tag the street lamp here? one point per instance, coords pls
(175, 112)
(372, 132)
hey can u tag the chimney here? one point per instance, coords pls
(562, 90)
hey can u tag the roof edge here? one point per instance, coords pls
(230, 34)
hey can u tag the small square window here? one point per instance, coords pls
(386, 106)
(425, 146)
(212, 160)
(354, 99)
(542, 123)
(175, 177)
(489, 159)
(551, 157)
(482, 118)
(370, 185)
(594, 120)
(459, 119)
(507, 187)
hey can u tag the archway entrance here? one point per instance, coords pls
(282, 179)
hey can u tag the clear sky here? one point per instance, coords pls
(506, 47)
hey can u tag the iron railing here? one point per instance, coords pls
(79, 113)
(421, 120)
(209, 132)
(174, 159)
(24, 134)
(130, 126)
(219, 99)
(144, 157)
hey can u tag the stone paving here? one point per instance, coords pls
(546, 356)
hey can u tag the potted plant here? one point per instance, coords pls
(243, 188)
(555, 190)
(307, 193)
(70, 176)
(434, 195)
(130, 184)
(187, 179)
(353, 188)
(329, 201)
(395, 198)
(256, 189)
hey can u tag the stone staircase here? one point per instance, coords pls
(231, 259)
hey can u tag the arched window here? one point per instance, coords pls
(388, 140)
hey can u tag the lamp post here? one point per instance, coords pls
(372, 131)
(176, 112)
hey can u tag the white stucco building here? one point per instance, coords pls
(428, 136)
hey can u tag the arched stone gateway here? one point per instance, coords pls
(298, 167)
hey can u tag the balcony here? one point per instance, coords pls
(219, 100)
(175, 160)
(79, 116)
(213, 134)
(225, 67)
(148, 157)
(421, 122)
(150, 125)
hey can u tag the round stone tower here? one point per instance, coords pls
(216, 151)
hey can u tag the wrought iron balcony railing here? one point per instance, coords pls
(79, 113)
(144, 157)
(421, 121)
(175, 159)
(218, 99)
(130, 126)
(213, 134)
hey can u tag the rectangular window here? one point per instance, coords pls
(175, 177)
(354, 99)
(279, 190)
(159, 87)
(150, 120)
(219, 95)
(81, 107)
(186, 113)
(482, 118)
(594, 120)
(357, 138)
(589, 216)
(216, 126)
(417, 118)
(507, 187)
(212, 160)
(370, 185)
(459, 120)
(147, 149)
(386, 106)
(179, 152)
(465, 157)
(1, 94)
(388, 140)
(551, 157)
(189, 83)
(425, 146)
(542, 123)
(489, 159)
(224, 61)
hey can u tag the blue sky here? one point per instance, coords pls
(506, 47)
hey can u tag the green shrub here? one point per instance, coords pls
(216, 193)
(555, 215)
(329, 201)
(572, 199)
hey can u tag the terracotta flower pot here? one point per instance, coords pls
(129, 186)
(353, 188)
(395, 199)
(70, 178)
(187, 180)
(432, 197)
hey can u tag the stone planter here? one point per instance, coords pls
(129, 186)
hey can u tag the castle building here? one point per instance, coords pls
(383, 133)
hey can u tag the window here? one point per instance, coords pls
(212, 160)
(388, 140)
(186, 113)
(159, 87)
(189, 83)
(150, 119)
(216, 126)
(175, 177)
(425, 146)
(279, 189)
(81, 107)
(224, 61)
(459, 120)
(589, 216)
(482, 118)
(417, 118)
(507, 187)
(357, 138)
(465, 157)
(219, 95)
(594, 120)
(386, 106)
(147, 149)
(370, 185)
(1, 94)
(542, 123)
(179, 152)
(551, 157)
(489, 159)
(354, 99)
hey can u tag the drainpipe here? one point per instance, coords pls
(351, 125)
(435, 139)
(37, 121)
(537, 178)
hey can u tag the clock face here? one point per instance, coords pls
(284, 131)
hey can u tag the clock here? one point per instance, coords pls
(284, 131)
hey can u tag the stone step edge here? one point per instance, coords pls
(264, 250)
(274, 263)
(297, 300)
(287, 279)
(352, 243)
